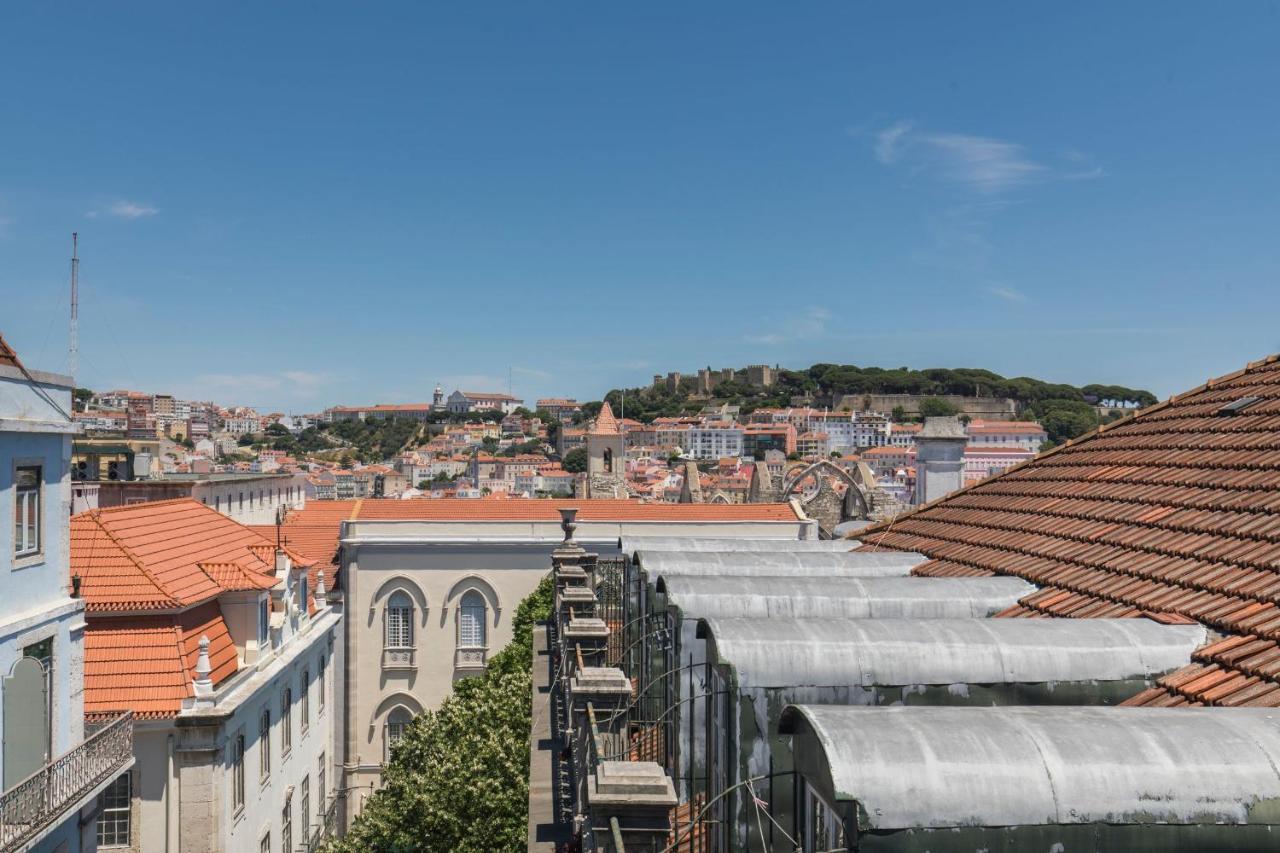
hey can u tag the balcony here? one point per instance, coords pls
(42, 800)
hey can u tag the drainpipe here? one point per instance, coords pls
(171, 782)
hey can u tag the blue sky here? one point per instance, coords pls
(296, 205)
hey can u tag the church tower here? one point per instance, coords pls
(437, 399)
(606, 457)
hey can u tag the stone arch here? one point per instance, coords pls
(826, 505)
(403, 584)
(466, 584)
(720, 498)
(391, 702)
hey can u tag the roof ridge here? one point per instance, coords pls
(145, 505)
(95, 516)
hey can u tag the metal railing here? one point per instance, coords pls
(44, 797)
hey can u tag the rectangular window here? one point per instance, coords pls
(320, 777)
(26, 510)
(237, 771)
(264, 744)
(399, 627)
(264, 621)
(306, 805)
(306, 700)
(114, 822)
(323, 662)
(286, 722)
(286, 824)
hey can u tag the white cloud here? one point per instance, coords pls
(1008, 294)
(808, 324)
(124, 210)
(981, 163)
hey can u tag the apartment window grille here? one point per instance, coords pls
(471, 618)
(26, 510)
(115, 822)
(399, 631)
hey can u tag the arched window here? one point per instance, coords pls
(397, 722)
(471, 618)
(399, 621)
(608, 460)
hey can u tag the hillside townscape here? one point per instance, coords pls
(715, 428)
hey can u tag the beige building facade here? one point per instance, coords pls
(428, 602)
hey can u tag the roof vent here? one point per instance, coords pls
(1235, 407)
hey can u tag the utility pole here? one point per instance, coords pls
(73, 352)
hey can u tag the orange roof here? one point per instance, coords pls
(166, 554)
(1172, 511)
(147, 663)
(7, 356)
(606, 423)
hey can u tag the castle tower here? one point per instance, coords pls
(606, 457)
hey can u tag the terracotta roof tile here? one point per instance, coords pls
(1172, 512)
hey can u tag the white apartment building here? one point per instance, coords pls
(464, 402)
(713, 442)
(51, 775)
(985, 434)
(230, 666)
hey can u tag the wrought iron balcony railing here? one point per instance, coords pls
(44, 797)
(325, 828)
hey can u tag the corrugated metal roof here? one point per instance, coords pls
(631, 544)
(847, 652)
(914, 767)
(781, 597)
(671, 563)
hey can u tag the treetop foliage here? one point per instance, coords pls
(459, 777)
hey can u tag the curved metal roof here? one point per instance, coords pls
(631, 544)
(842, 652)
(780, 597)
(1024, 766)
(671, 563)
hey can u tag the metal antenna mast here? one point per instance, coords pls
(73, 353)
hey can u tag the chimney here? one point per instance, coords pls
(939, 458)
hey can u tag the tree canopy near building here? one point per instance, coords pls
(458, 779)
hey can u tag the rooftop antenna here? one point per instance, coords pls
(73, 353)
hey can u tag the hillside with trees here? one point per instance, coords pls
(1065, 410)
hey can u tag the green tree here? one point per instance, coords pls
(459, 777)
(575, 461)
(935, 407)
(898, 415)
(81, 397)
(245, 440)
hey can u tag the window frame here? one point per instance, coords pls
(478, 614)
(398, 628)
(286, 823)
(305, 700)
(264, 744)
(116, 813)
(286, 722)
(27, 497)
(237, 773)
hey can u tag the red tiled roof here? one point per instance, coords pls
(166, 554)
(606, 423)
(147, 663)
(1174, 511)
(8, 357)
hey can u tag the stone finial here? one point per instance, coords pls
(203, 682)
(320, 591)
(568, 523)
